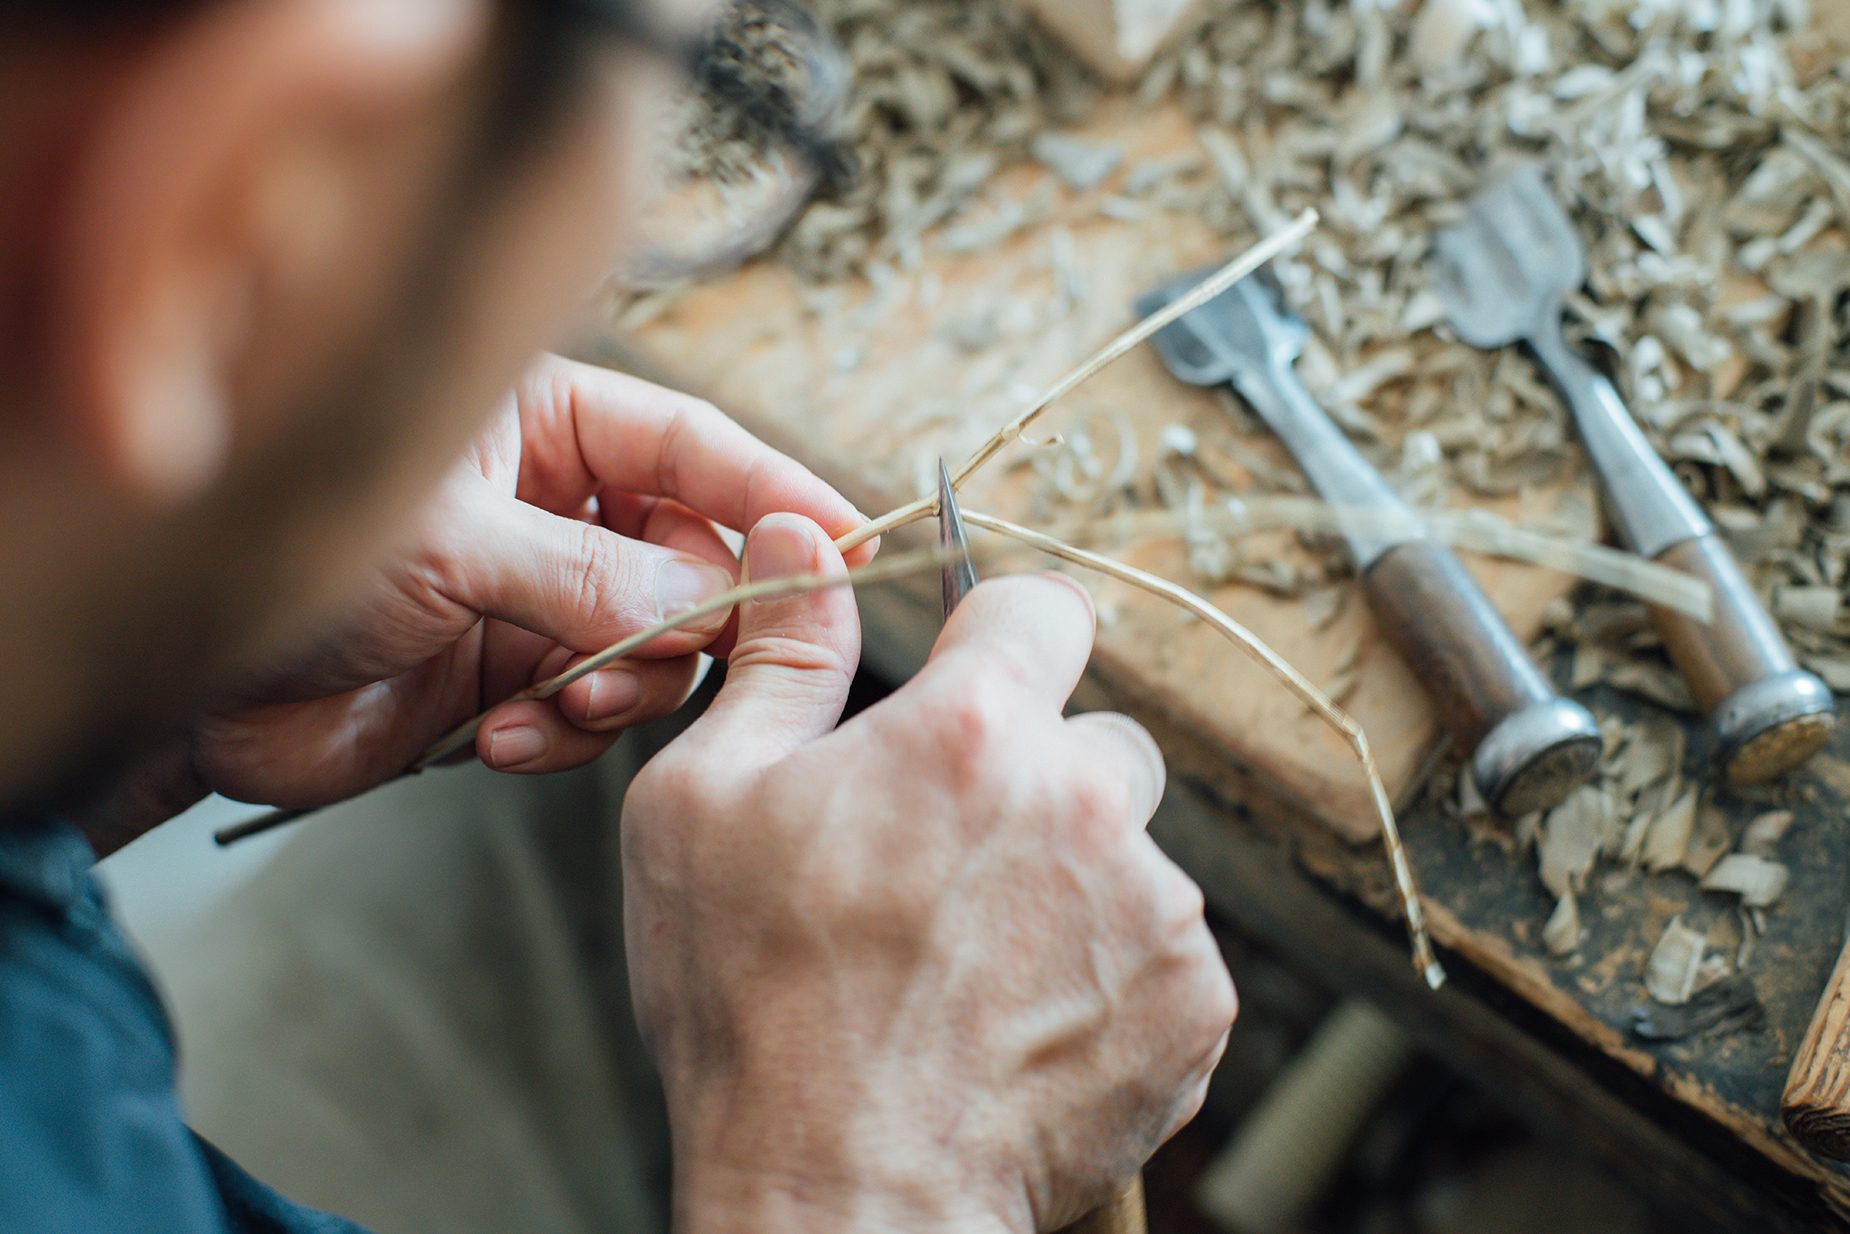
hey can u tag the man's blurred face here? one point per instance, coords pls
(267, 329)
(508, 227)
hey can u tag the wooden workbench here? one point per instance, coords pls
(1265, 810)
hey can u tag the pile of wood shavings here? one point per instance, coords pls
(1681, 135)
(945, 94)
(1645, 816)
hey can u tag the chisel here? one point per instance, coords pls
(1502, 272)
(1528, 746)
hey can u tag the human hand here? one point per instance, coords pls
(585, 513)
(927, 970)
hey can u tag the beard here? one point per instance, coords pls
(242, 575)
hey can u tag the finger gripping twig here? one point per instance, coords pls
(463, 735)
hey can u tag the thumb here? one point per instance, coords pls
(789, 673)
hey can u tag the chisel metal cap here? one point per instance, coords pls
(1536, 757)
(1767, 728)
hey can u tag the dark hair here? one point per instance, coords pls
(88, 16)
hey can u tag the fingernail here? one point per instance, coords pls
(509, 748)
(1079, 589)
(681, 584)
(614, 693)
(779, 546)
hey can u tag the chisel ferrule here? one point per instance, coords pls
(1651, 511)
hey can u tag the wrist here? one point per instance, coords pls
(780, 1149)
(713, 1201)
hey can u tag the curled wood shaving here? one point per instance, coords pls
(1562, 933)
(1763, 834)
(1474, 531)
(1671, 972)
(1666, 842)
(1758, 881)
(1571, 841)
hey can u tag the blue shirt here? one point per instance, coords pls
(91, 1136)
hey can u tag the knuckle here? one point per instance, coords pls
(969, 731)
(1206, 990)
(1186, 1109)
(439, 569)
(1098, 803)
(684, 412)
(1178, 902)
(1228, 1009)
(1187, 902)
(603, 581)
(591, 584)
(555, 388)
(677, 785)
(1220, 999)
(802, 656)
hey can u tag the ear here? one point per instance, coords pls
(214, 193)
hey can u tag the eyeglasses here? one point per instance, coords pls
(750, 140)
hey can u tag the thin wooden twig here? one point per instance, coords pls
(1201, 293)
(768, 589)
(1475, 531)
(1209, 287)
(773, 588)
(1319, 703)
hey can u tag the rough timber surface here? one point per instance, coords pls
(1720, 1090)
(1695, 1123)
(869, 391)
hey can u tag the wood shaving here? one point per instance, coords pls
(1561, 936)
(1671, 972)
(1756, 880)
(1763, 834)
(1080, 163)
(1666, 843)
(1709, 842)
(1571, 841)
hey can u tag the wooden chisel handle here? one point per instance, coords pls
(1529, 746)
(1816, 1104)
(1124, 1215)
(1769, 714)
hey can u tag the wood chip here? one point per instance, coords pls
(1763, 834)
(1561, 936)
(1571, 839)
(1756, 880)
(1709, 841)
(1671, 971)
(1666, 843)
